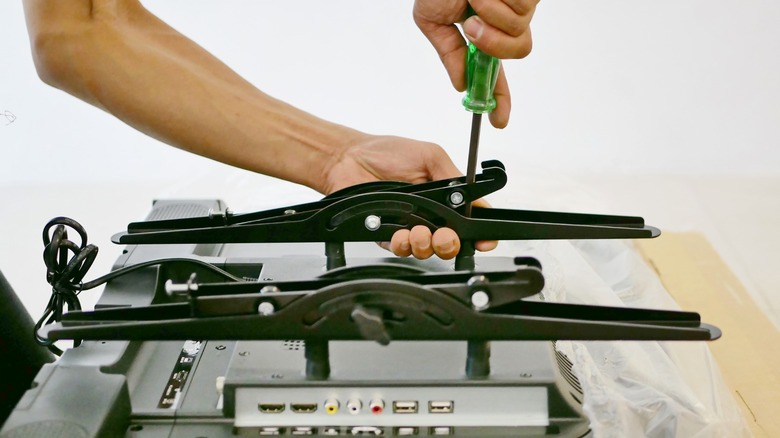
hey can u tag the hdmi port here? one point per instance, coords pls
(270, 408)
(303, 408)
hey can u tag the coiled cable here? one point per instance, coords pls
(68, 262)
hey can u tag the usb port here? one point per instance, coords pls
(441, 407)
(303, 408)
(406, 431)
(270, 408)
(405, 407)
(271, 431)
(303, 430)
(440, 430)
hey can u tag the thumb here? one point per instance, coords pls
(439, 165)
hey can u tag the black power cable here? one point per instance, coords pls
(66, 265)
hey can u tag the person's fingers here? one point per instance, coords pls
(511, 17)
(446, 243)
(451, 48)
(499, 117)
(420, 241)
(399, 243)
(495, 42)
(484, 245)
(481, 202)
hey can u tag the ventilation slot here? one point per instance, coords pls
(565, 365)
(293, 345)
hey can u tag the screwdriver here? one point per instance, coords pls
(481, 75)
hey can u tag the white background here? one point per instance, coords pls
(638, 96)
(632, 86)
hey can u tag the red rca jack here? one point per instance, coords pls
(376, 406)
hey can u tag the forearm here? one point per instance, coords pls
(126, 61)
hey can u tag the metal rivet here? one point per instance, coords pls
(456, 198)
(480, 299)
(290, 211)
(266, 308)
(220, 347)
(373, 222)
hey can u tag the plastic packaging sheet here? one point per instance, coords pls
(632, 389)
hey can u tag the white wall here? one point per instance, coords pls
(683, 86)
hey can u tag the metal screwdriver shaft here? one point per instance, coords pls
(481, 76)
(471, 170)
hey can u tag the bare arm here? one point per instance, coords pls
(119, 57)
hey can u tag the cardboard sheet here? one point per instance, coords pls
(749, 351)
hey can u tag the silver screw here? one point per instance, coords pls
(456, 198)
(172, 288)
(480, 299)
(269, 289)
(266, 308)
(289, 211)
(476, 280)
(373, 222)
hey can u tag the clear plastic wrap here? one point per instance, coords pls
(633, 389)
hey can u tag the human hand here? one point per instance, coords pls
(500, 28)
(375, 158)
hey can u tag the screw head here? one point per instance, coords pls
(290, 211)
(476, 280)
(480, 299)
(456, 198)
(266, 308)
(269, 289)
(373, 222)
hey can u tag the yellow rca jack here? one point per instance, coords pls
(331, 406)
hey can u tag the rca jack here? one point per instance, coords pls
(376, 406)
(354, 406)
(331, 406)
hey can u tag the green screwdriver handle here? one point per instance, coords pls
(481, 76)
